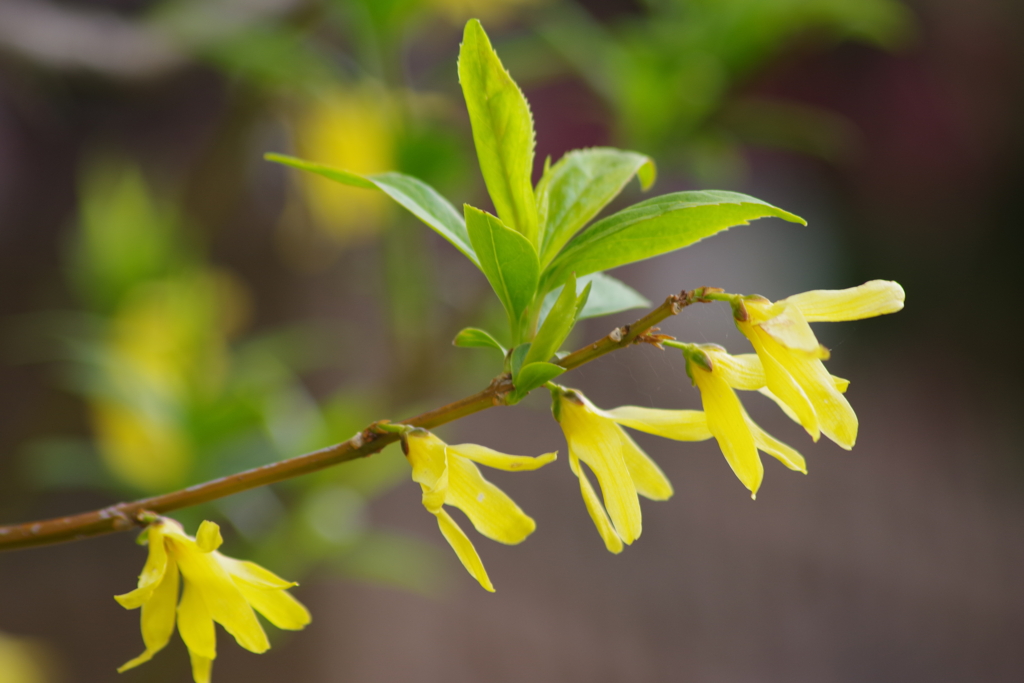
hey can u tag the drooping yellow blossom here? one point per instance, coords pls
(622, 469)
(792, 357)
(717, 374)
(448, 475)
(217, 589)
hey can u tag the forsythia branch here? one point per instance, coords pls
(124, 516)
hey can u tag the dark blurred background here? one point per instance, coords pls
(173, 308)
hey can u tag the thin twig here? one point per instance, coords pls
(124, 516)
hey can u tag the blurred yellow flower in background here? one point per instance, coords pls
(166, 347)
(147, 449)
(491, 11)
(354, 128)
(23, 660)
(171, 334)
(448, 476)
(216, 589)
(792, 357)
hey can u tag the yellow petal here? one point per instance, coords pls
(877, 297)
(790, 329)
(152, 572)
(787, 455)
(252, 573)
(433, 498)
(596, 510)
(501, 461)
(727, 422)
(158, 614)
(429, 460)
(208, 537)
(224, 602)
(786, 409)
(760, 309)
(201, 667)
(427, 457)
(836, 416)
(681, 425)
(279, 607)
(195, 624)
(595, 440)
(840, 384)
(742, 371)
(265, 592)
(491, 511)
(171, 528)
(774, 358)
(463, 547)
(833, 412)
(648, 478)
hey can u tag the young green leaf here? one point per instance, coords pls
(502, 131)
(420, 199)
(507, 259)
(556, 326)
(657, 226)
(607, 296)
(582, 298)
(515, 359)
(582, 183)
(475, 337)
(532, 376)
(610, 295)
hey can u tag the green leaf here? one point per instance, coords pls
(582, 183)
(516, 359)
(475, 337)
(420, 199)
(607, 296)
(532, 376)
(502, 131)
(507, 259)
(583, 298)
(610, 295)
(556, 326)
(657, 226)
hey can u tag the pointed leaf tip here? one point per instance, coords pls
(502, 131)
(420, 199)
(647, 174)
(657, 226)
(475, 337)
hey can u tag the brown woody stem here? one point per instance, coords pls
(124, 516)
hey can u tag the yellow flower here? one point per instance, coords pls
(166, 349)
(716, 374)
(142, 444)
(217, 588)
(448, 476)
(23, 660)
(791, 354)
(354, 128)
(622, 469)
(486, 10)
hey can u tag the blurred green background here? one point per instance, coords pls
(173, 308)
